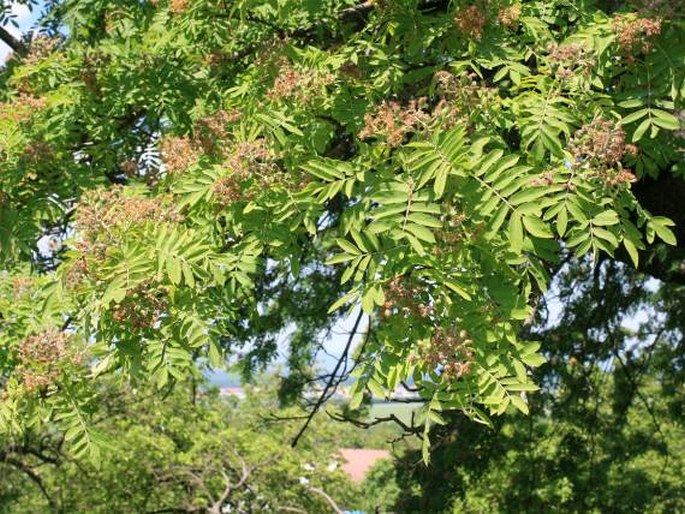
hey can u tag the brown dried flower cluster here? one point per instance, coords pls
(143, 306)
(351, 70)
(449, 350)
(599, 147)
(21, 286)
(461, 97)
(621, 177)
(471, 20)
(109, 207)
(45, 348)
(37, 152)
(402, 298)
(634, 35)
(111, 18)
(545, 179)
(179, 153)
(39, 48)
(271, 53)
(601, 143)
(448, 84)
(449, 114)
(211, 130)
(452, 233)
(392, 121)
(228, 190)
(77, 272)
(22, 108)
(103, 210)
(569, 52)
(40, 355)
(509, 16)
(129, 167)
(215, 58)
(461, 90)
(90, 78)
(567, 58)
(298, 85)
(178, 6)
(253, 168)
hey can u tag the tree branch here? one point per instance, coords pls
(35, 478)
(330, 500)
(10, 40)
(329, 384)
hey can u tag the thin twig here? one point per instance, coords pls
(329, 384)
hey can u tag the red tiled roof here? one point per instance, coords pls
(358, 461)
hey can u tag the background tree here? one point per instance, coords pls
(210, 455)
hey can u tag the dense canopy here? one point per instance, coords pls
(181, 181)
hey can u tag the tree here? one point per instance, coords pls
(207, 455)
(208, 172)
(605, 433)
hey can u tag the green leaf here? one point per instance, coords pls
(349, 271)
(634, 116)
(420, 232)
(516, 232)
(665, 234)
(520, 404)
(376, 389)
(379, 226)
(630, 104)
(562, 221)
(214, 354)
(173, 268)
(458, 289)
(426, 445)
(348, 247)
(576, 212)
(536, 227)
(440, 182)
(665, 120)
(579, 236)
(368, 301)
(534, 360)
(606, 218)
(606, 235)
(358, 240)
(188, 275)
(425, 220)
(352, 295)
(528, 195)
(390, 197)
(632, 251)
(115, 292)
(340, 258)
(515, 385)
(415, 244)
(387, 210)
(641, 129)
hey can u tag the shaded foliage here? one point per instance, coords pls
(605, 432)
